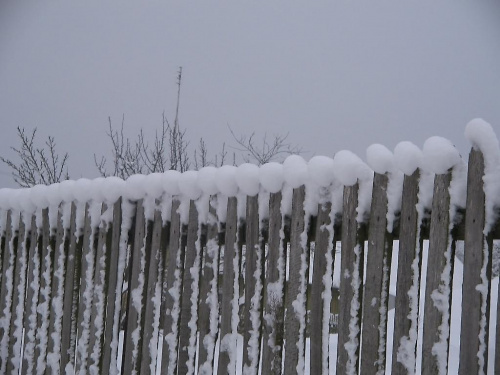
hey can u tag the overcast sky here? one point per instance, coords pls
(334, 75)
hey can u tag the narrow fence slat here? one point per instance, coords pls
(131, 355)
(253, 289)
(18, 299)
(351, 285)
(437, 305)
(230, 295)
(472, 296)
(32, 286)
(295, 299)
(404, 305)
(376, 292)
(8, 258)
(86, 288)
(170, 294)
(45, 293)
(96, 332)
(319, 320)
(208, 320)
(274, 292)
(113, 254)
(54, 332)
(152, 298)
(189, 296)
(70, 293)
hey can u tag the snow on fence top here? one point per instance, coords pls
(345, 169)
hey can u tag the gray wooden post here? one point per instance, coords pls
(436, 262)
(376, 292)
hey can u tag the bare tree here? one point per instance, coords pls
(264, 150)
(36, 165)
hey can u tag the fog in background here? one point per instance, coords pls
(334, 75)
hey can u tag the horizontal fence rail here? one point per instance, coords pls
(269, 282)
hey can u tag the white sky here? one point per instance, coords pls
(334, 74)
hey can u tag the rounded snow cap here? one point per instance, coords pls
(440, 155)
(271, 176)
(349, 168)
(171, 182)
(226, 180)
(321, 170)
(206, 180)
(380, 158)
(247, 178)
(295, 171)
(408, 157)
(188, 185)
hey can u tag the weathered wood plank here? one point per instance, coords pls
(376, 292)
(208, 320)
(253, 289)
(59, 263)
(44, 296)
(31, 299)
(319, 316)
(274, 292)
(229, 306)
(171, 293)
(96, 333)
(18, 299)
(295, 298)
(351, 285)
(189, 296)
(439, 251)
(131, 354)
(71, 289)
(9, 259)
(115, 254)
(474, 259)
(152, 298)
(85, 299)
(409, 253)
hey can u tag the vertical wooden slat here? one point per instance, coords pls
(31, 299)
(376, 292)
(253, 289)
(351, 285)
(170, 297)
(86, 291)
(474, 259)
(9, 257)
(227, 360)
(189, 296)
(71, 285)
(323, 257)
(295, 295)
(113, 254)
(96, 332)
(131, 354)
(208, 320)
(152, 298)
(407, 254)
(275, 284)
(18, 300)
(436, 263)
(45, 293)
(54, 337)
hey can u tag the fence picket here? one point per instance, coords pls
(376, 292)
(171, 293)
(474, 259)
(113, 254)
(189, 296)
(18, 299)
(295, 298)
(437, 306)
(152, 296)
(208, 320)
(131, 354)
(230, 294)
(322, 270)
(274, 290)
(351, 284)
(33, 282)
(407, 255)
(9, 258)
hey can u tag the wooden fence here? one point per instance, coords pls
(177, 286)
